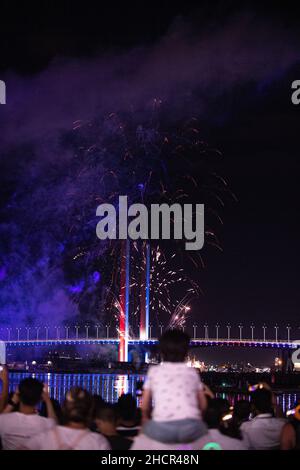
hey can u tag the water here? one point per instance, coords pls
(111, 386)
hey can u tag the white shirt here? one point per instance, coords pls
(174, 387)
(63, 438)
(17, 428)
(263, 432)
(214, 436)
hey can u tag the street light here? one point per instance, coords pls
(264, 329)
(107, 331)
(37, 328)
(8, 333)
(194, 330)
(47, 332)
(67, 331)
(18, 333)
(252, 332)
(87, 331)
(57, 332)
(27, 328)
(288, 332)
(240, 328)
(77, 329)
(150, 331)
(161, 329)
(206, 330)
(217, 331)
(276, 333)
(97, 331)
(228, 331)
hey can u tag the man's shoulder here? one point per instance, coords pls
(9, 417)
(98, 440)
(247, 425)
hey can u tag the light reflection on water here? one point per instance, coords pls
(111, 386)
(286, 400)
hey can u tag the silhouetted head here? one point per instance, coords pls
(174, 345)
(30, 391)
(261, 399)
(127, 407)
(242, 410)
(98, 402)
(107, 414)
(216, 409)
(77, 406)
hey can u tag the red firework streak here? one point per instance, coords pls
(145, 292)
(124, 301)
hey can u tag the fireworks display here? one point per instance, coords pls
(141, 154)
(152, 162)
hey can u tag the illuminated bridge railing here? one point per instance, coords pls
(153, 341)
(202, 335)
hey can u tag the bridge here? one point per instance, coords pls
(71, 335)
(75, 335)
(154, 341)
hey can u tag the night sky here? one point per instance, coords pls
(231, 66)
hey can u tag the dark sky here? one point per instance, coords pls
(252, 122)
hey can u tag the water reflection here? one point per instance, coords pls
(111, 386)
(286, 400)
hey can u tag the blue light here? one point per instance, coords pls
(96, 277)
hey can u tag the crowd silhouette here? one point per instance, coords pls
(177, 411)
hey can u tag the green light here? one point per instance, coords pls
(212, 446)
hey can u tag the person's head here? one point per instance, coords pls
(77, 407)
(261, 400)
(127, 408)
(174, 345)
(216, 409)
(217, 416)
(30, 391)
(242, 410)
(106, 418)
(98, 403)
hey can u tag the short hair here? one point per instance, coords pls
(127, 407)
(242, 410)
(261, 399)
(30, 391)
(107, 413)
(216, 409)
(174, 345)
(77, 406)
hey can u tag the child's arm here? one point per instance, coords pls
(146, 405)
(202, 400)
(204, 394)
